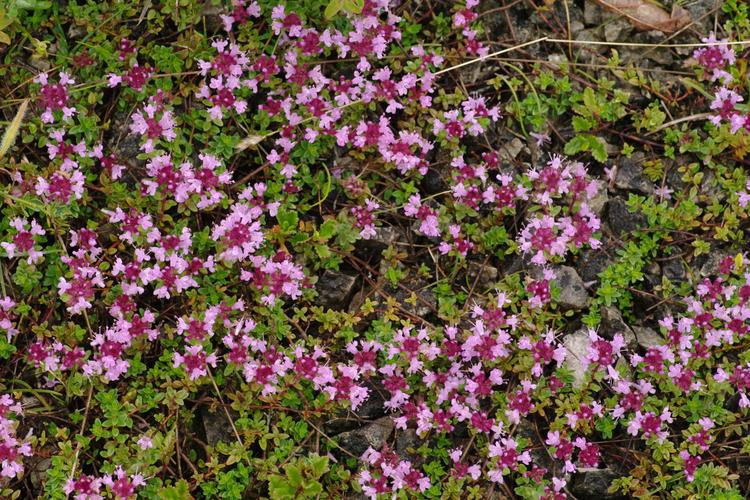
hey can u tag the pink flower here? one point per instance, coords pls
(12, 450)
(194, 361)
(24, 240)
(239, 233)
(54, 97)
(242, 11)
(364, 218)
(145, 443)
(429, 224)
(715, 58)
(147, 124)
(650, 424)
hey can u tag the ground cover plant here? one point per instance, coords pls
(370, 249)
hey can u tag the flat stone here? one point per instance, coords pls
(593, 484)
(612, 324)
(647, 337)
(616, 30)
(713, 261)
(599, 201)
(573, 294)
(537, 448)
(674, 270)
(383, 238)
(591, 264)
(212, 15)
(374, 406)
(425, 304)
(621, 220)
(593, 14)
(509, 151)
(335, 289)
(701, 13)
(217, 426)
(407, 442)
(486, 273)
(630, 176)
(38, 474)
(577, 346)
(433, 183)
(373, 435)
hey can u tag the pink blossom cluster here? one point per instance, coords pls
(119, 484)
(715, 58)
(715, 61)
(54, 97)
(7, 317)
(456, 123)
(427, 216)
(364, 218)
(548, 236)
(434, 377)
(388, 473)
(23, 241)
(12, 449)
(67, 182)
(462, 19)
(135, 78)
(155, 122)
(184, 182)
(226, 70)
(242, 11)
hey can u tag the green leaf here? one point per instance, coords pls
(598, 149)
(179, 491)
(32, 4)
(319, 465)
(581, 124)
(311, 490)
(354, 6)
(278, 487)
(287, 220)
(327, 229)
(576, 145)
(332, 9)
(294, 474)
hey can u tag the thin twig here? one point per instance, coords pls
(697, 116)
(229, 417)
(83, 428)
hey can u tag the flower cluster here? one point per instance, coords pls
(119, 484)
(715, 61)
(188, 274)
(54, 97)
(12, 449)
(388, 473)
(23, 240)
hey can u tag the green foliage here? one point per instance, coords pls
(348, 6)
(301, 479)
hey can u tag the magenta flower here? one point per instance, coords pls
(239, 233)
(364, 218)
(195, 361)
(12, 449)
(147, 124)
(62, 186)
(54, 97)
(428, 217)
(715, 58)
(650, 424)
(7, 317)
(24, 240)
(242, 11)
(121, 485)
